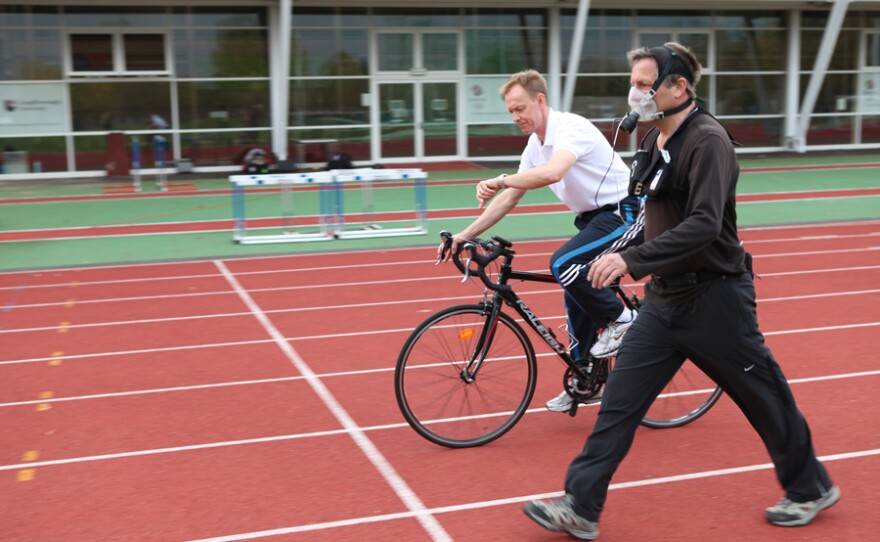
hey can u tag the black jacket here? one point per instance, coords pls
(690, 217)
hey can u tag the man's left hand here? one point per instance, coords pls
(606, 270)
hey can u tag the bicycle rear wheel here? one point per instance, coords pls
(445, 406)
(689, 395)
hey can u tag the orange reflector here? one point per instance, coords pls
(465, 334)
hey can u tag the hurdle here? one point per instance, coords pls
(290, 231)
(369, 227)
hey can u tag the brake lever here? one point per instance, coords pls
(467, 269)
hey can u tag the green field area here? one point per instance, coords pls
(197, 206)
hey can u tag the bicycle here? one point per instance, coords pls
(466, 375)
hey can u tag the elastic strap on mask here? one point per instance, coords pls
(668, 68)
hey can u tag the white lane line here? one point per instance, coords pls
(516, 500)
(342, 335)
(424, 262)
(392, 478)
(550, 291)
(216, 385)
(317, 434)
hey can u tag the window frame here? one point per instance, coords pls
(118, 52)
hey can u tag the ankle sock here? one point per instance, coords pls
(626, 316)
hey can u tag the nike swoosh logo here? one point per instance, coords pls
(749, 368)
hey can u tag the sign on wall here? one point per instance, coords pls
(37, 108)
(484, 102)
(870, 93)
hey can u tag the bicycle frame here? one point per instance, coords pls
(508, 296)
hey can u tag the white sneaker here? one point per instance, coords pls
(562, 402)
(608, 342)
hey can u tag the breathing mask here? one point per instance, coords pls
(643, 107)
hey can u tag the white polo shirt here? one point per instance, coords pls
(583, 188)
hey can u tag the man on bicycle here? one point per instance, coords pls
(567, 153)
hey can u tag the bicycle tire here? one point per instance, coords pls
(686, 397)
(441, 405)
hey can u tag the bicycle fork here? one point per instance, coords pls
(481, 348)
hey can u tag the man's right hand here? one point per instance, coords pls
(487, 189)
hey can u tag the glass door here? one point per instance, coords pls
(397, 127)
(415, 97)
(439, 128)
(418, 119)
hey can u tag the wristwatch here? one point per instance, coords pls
(501, 181)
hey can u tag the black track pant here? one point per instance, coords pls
(718, 331)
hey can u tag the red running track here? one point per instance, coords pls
(253, 399)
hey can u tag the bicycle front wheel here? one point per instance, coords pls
(689, 395)
(441, 400)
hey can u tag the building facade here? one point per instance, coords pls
(87, 85)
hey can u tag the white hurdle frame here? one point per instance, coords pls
(331, 209)
(366, 176)
(286, 181)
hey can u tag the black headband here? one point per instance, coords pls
(669, 63)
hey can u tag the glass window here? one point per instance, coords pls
(750, 20)
(819, 19)
(18, 16)
(756, 132)
(395, 51)
(328, 101)
(872, 58)
(495, 140)
(752, 94)
(42, 154)
(354, 141)
(329, 52)
(837, 94)
(672, 19)
(144, 52)
(603, 51)
(221, 148)
(30, 54)
(92, 52)
(219, 16)
(223, 104)
(109, 16)
(491, 51)
(417, 17)
(604, 18)
(832, 130)
(311, 17)
(871, 129)
(440, 51)
(845, 56)
(750, 50)
(221, 53)
(118, 105)
(601, 97)
(530, 18)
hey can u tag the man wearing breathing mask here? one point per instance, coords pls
(700, 304)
